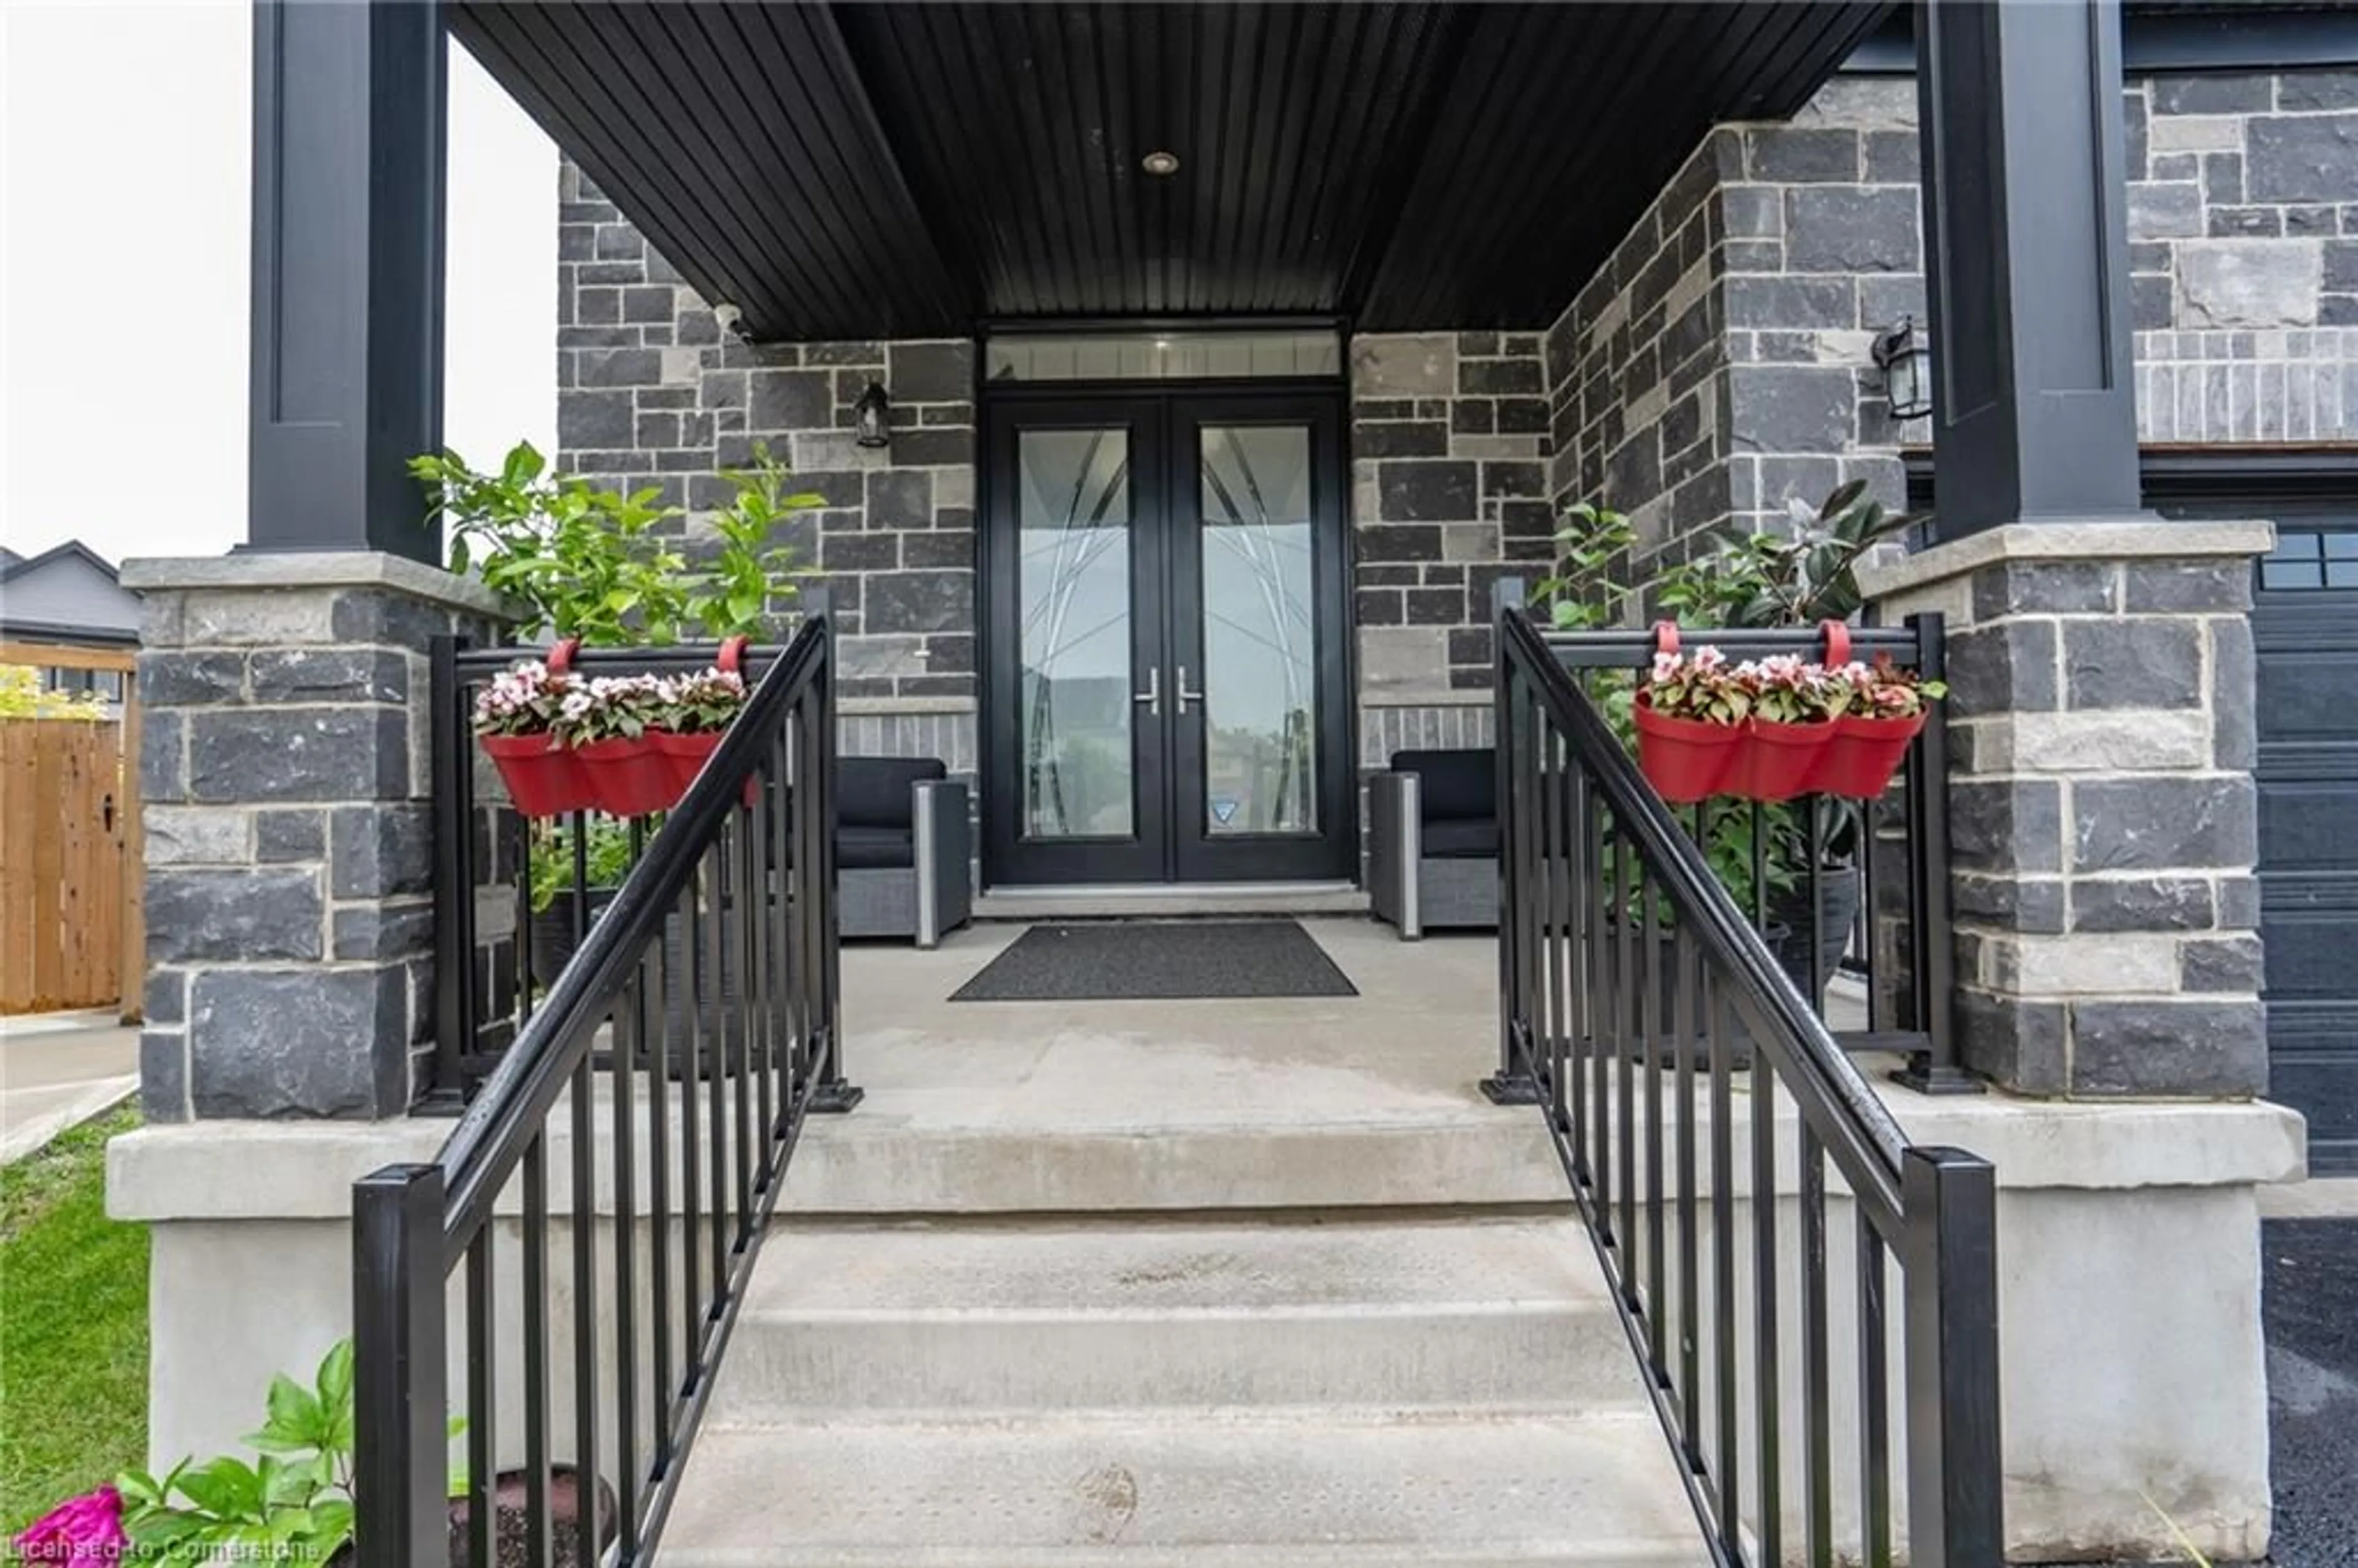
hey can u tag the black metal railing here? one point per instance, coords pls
(1640, 1007)
(514, 899)
(1837, 887)
(647, 1110)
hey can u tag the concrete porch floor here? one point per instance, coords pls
(1258, 1102)
(1414, 1041)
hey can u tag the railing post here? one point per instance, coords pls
(400, 1401)
(833, 1094)
(1955, 1476)
(1515, 1083)
(454, 899)
(1935, 1069)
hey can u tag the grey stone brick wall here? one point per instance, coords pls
(2243, 217)
(1449, 449)
(285, 774)
(2103, 818)
(1787, 246)
(651, 392)
(1638, 365)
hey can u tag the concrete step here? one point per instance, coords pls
(1207, 1491)
(884, 1162)
(1466, 1311)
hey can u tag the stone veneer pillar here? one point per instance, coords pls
(284, 774)
(2102, 813)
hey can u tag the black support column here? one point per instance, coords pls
(347, 328)
(2099, 659)
(2025, 190)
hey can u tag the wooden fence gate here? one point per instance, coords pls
(70, 932)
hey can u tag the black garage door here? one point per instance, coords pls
(2305, 627)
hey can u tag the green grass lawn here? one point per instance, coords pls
(73, 1326)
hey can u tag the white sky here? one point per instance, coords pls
(123, 166)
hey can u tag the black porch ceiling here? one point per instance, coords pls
(859, 170)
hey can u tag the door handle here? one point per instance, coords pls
(1152, 694)
(1186, 696)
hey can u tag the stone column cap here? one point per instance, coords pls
(2065, 539)
(311, 568)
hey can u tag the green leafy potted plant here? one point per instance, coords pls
(1585, 592)
(591, 566)
(1807, 575)
(1838, 732)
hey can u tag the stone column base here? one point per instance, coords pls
(2103, 821)
(284, 774)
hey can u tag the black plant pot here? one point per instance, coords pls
(721, 1021)
(510, 1544)
(1789, 921)
(553, 938)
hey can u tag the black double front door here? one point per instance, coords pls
(1166, 643)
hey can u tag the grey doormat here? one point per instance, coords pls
(1158, 960)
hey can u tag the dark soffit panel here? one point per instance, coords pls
(1566, 125)
(738, 139)
(866, 170)
(1022, 128)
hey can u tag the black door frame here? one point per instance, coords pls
(1323, 404)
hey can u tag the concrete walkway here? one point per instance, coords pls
(57, 1071)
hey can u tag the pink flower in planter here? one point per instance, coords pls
(80, 1529)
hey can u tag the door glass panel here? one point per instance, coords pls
(1073, 593)
(1261, 645)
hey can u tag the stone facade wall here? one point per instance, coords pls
(1449, 447)
(2243, 251)
(651, 392)
(1638, 368)
(285, 775)
(1792, 245)
(2243, 287)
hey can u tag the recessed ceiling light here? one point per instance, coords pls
(1160, 163)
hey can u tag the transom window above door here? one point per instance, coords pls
(1295, 354)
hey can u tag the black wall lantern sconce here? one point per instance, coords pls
(871, 417)
(1907, 366)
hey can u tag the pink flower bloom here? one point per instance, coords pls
(80, 1529)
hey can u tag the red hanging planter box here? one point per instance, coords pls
(1685, 759)
(544, 779)
(1780, 761)
(1865, 754)
(630, 777)
(686, 755)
